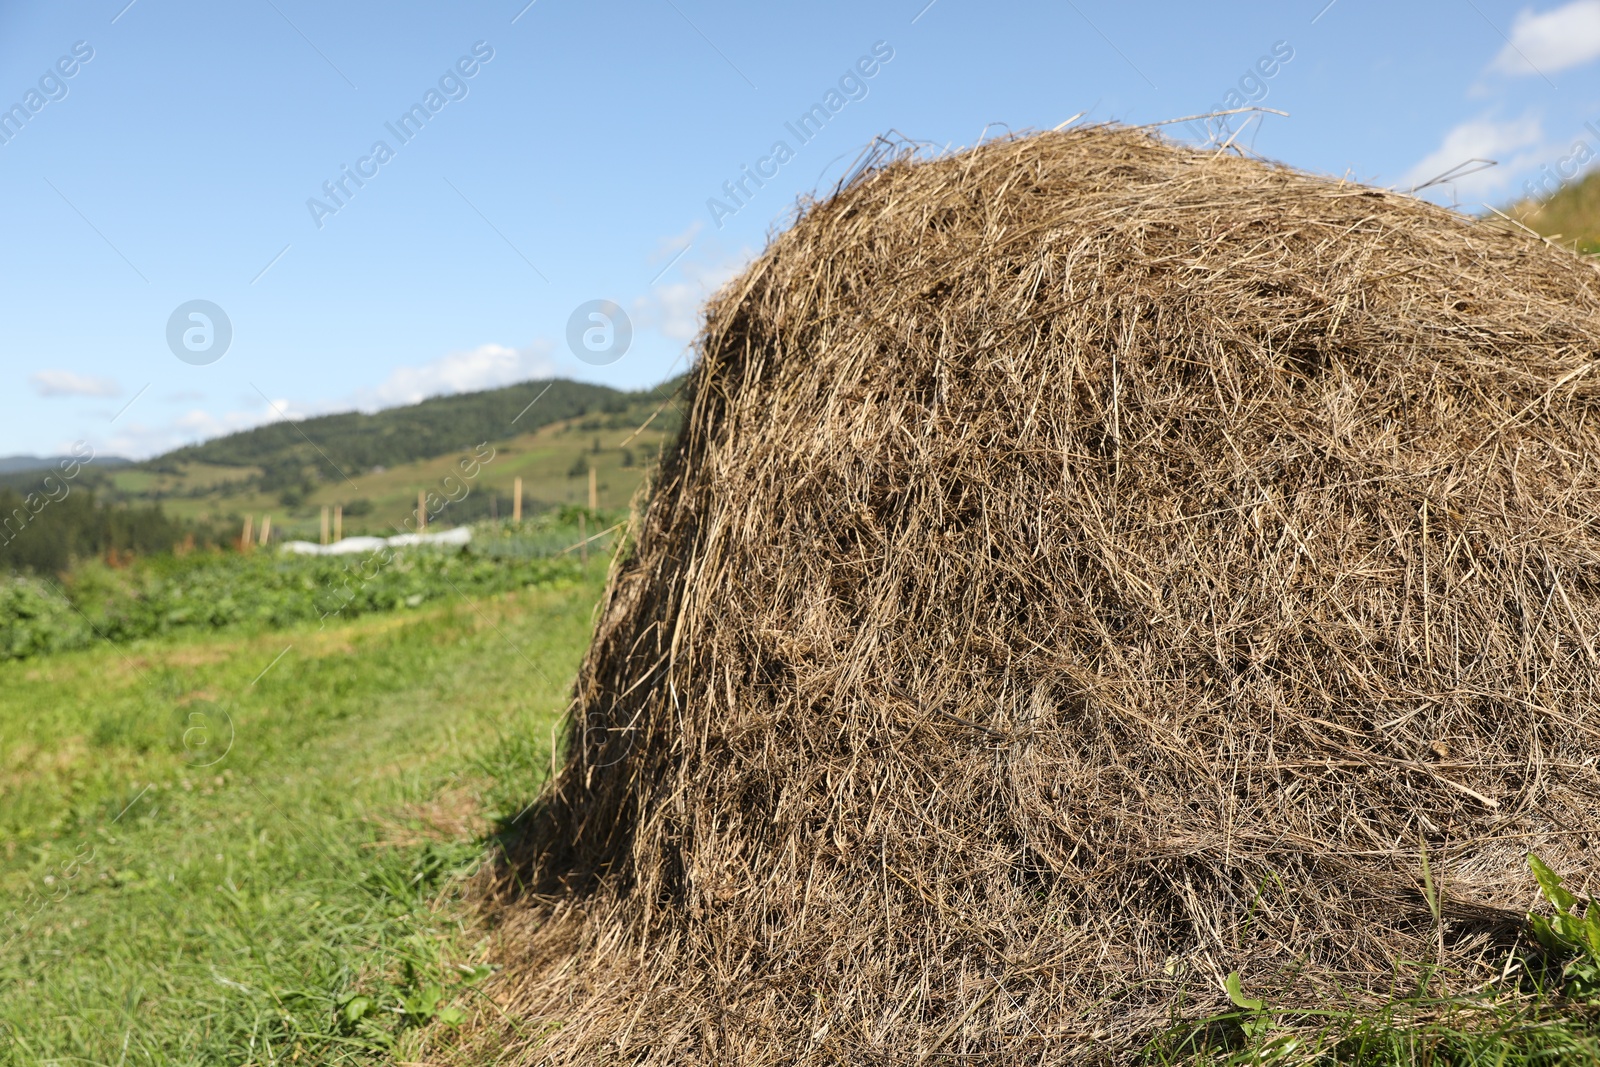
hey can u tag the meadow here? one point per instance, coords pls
(247, 843)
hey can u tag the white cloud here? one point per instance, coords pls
(1555, 40)
(668, 247)
(488, 366)
(141, 440)
(67, 383)
(1512, 144)
(485, 367)
(673, 307)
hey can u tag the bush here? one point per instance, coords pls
(35, 619)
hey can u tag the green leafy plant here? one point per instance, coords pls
(354, 1008)
(1573, 940)
(473, 974)
(1255, 1021)
(424, 1003)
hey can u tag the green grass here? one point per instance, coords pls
(1479, 1031)
(225, 849)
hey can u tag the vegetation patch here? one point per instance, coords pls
(270, 590)
(301, 898)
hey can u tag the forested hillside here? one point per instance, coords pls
(45, 535)
(287, 452)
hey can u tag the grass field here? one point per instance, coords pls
(223, 849)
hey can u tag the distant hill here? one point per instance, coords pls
(1570, 215)
(548, 433)
(561, 440)
(354, 442)
(22, 464)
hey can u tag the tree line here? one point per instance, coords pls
(47, 534)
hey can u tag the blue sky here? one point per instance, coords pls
(579, 159)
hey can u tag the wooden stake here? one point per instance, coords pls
(324, 524)
(266, 529)
(594, 495)
(245, 538)
(516, 500)
(422, 511)
(338, 522)
(583, 532)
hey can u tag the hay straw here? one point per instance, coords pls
(1089, 567)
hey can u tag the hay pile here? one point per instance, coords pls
(1089, 567)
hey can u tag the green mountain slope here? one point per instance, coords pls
(332, 446)
(549, 434)
(1570, 215)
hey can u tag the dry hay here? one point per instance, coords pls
(1089, 567)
